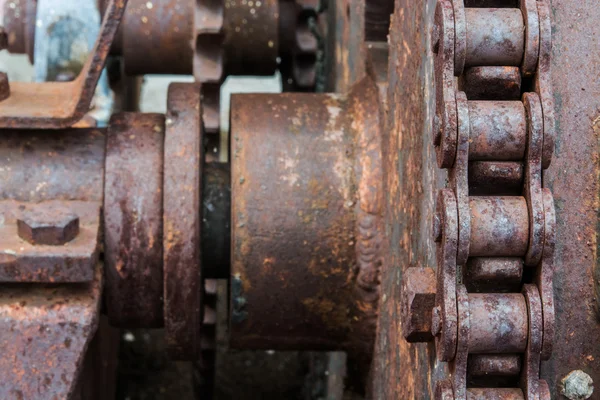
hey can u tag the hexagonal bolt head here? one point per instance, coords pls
(44, 225)
(577, 385)
(418, 300)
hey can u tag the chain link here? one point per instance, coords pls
(494, 226)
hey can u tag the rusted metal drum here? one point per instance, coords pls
(157, 37)
(133, 220)
(306, 219)
(251, 36)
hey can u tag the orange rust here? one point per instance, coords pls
(306, 229)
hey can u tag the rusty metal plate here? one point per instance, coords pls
(44, 333)
(133, 224)
(182, 221)
(74, 261)
(54, 105)
(65, 165)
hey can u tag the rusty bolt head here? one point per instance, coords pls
(45, 225)
(4, 86)
(577, 385)
(418, 300)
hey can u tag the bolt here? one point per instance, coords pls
(417, 301)
(4, 86)
(577, 385)
(436, 320)
(47, 225)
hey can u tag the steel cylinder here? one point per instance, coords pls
(498, 323)
(484, 274)
(498, 178)
(499, 226)
(251, 36)
(62, 165)
(157, 37)
(484, 365)
(216, 220)
(495, 394)
(495, 36)
(498, 130)
(305, 220)
(492, 83)
(19, 24)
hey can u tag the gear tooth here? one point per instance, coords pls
(209, 59)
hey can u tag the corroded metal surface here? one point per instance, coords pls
(19, 26)
(573, 178)
(133, 219)
(251, 41)
(182, 221)
(23, 261)
(216, 220)
(306, 222)
(65, 165)
(157, 37)
(345, 45)
(54, 105)
(407, 371)
(44, 333)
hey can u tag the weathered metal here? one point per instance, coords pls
(494, 36)
(498, 178)
(31, 254)
(65, 165)
(498, 323)
(306, 227)
(55, 105)
(4, 86)
(412, 168)
(490, 83)
(498, 274)
(216, 220)
(64, 170)
(157, 37)
(495, 365)
(251, 36)
(418, 300)
(44, 333)
(133, 219)
(491, 239)
(182, 221)
(498, 130)
(48, 225)
(19, 26)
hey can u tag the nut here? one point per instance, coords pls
(418, 300)
(577, 385)
(47, 225)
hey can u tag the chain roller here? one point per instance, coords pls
(494, 223)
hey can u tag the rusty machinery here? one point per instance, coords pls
(446, 192)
